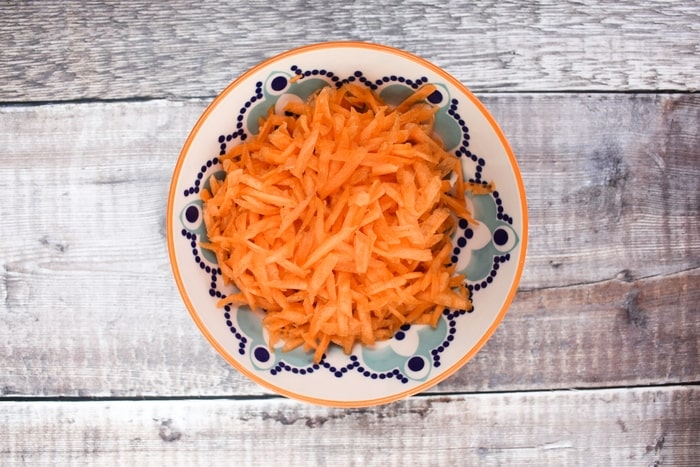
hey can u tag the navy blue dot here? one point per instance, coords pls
(416, 363)
(463, 224)
(462, 242)
(279, 83)
(435, 97)
(469, 233)
(399, 336)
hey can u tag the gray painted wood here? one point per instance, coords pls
(596, 363)
(55, 51)
(608, 296)
(655, 426)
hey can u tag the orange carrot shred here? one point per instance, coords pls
(336, 219)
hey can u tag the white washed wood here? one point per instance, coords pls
(79, 50)
(642, 426)
(89, 306)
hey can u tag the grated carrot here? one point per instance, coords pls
(336, 219)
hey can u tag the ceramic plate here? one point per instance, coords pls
(491, 253)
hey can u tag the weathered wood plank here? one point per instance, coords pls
(609, 295)
(654, 426)
(616, 332)
(613, 183)
(71, 50)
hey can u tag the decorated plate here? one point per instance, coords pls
(491, 252)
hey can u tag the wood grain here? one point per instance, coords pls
(654, 426)
(597, 361)
(57, 51)
(608, 298)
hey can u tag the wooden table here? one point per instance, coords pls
(597, 361)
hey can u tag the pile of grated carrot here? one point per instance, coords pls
(335, 219)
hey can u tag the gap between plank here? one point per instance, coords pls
(208, 97)
(425, 395)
